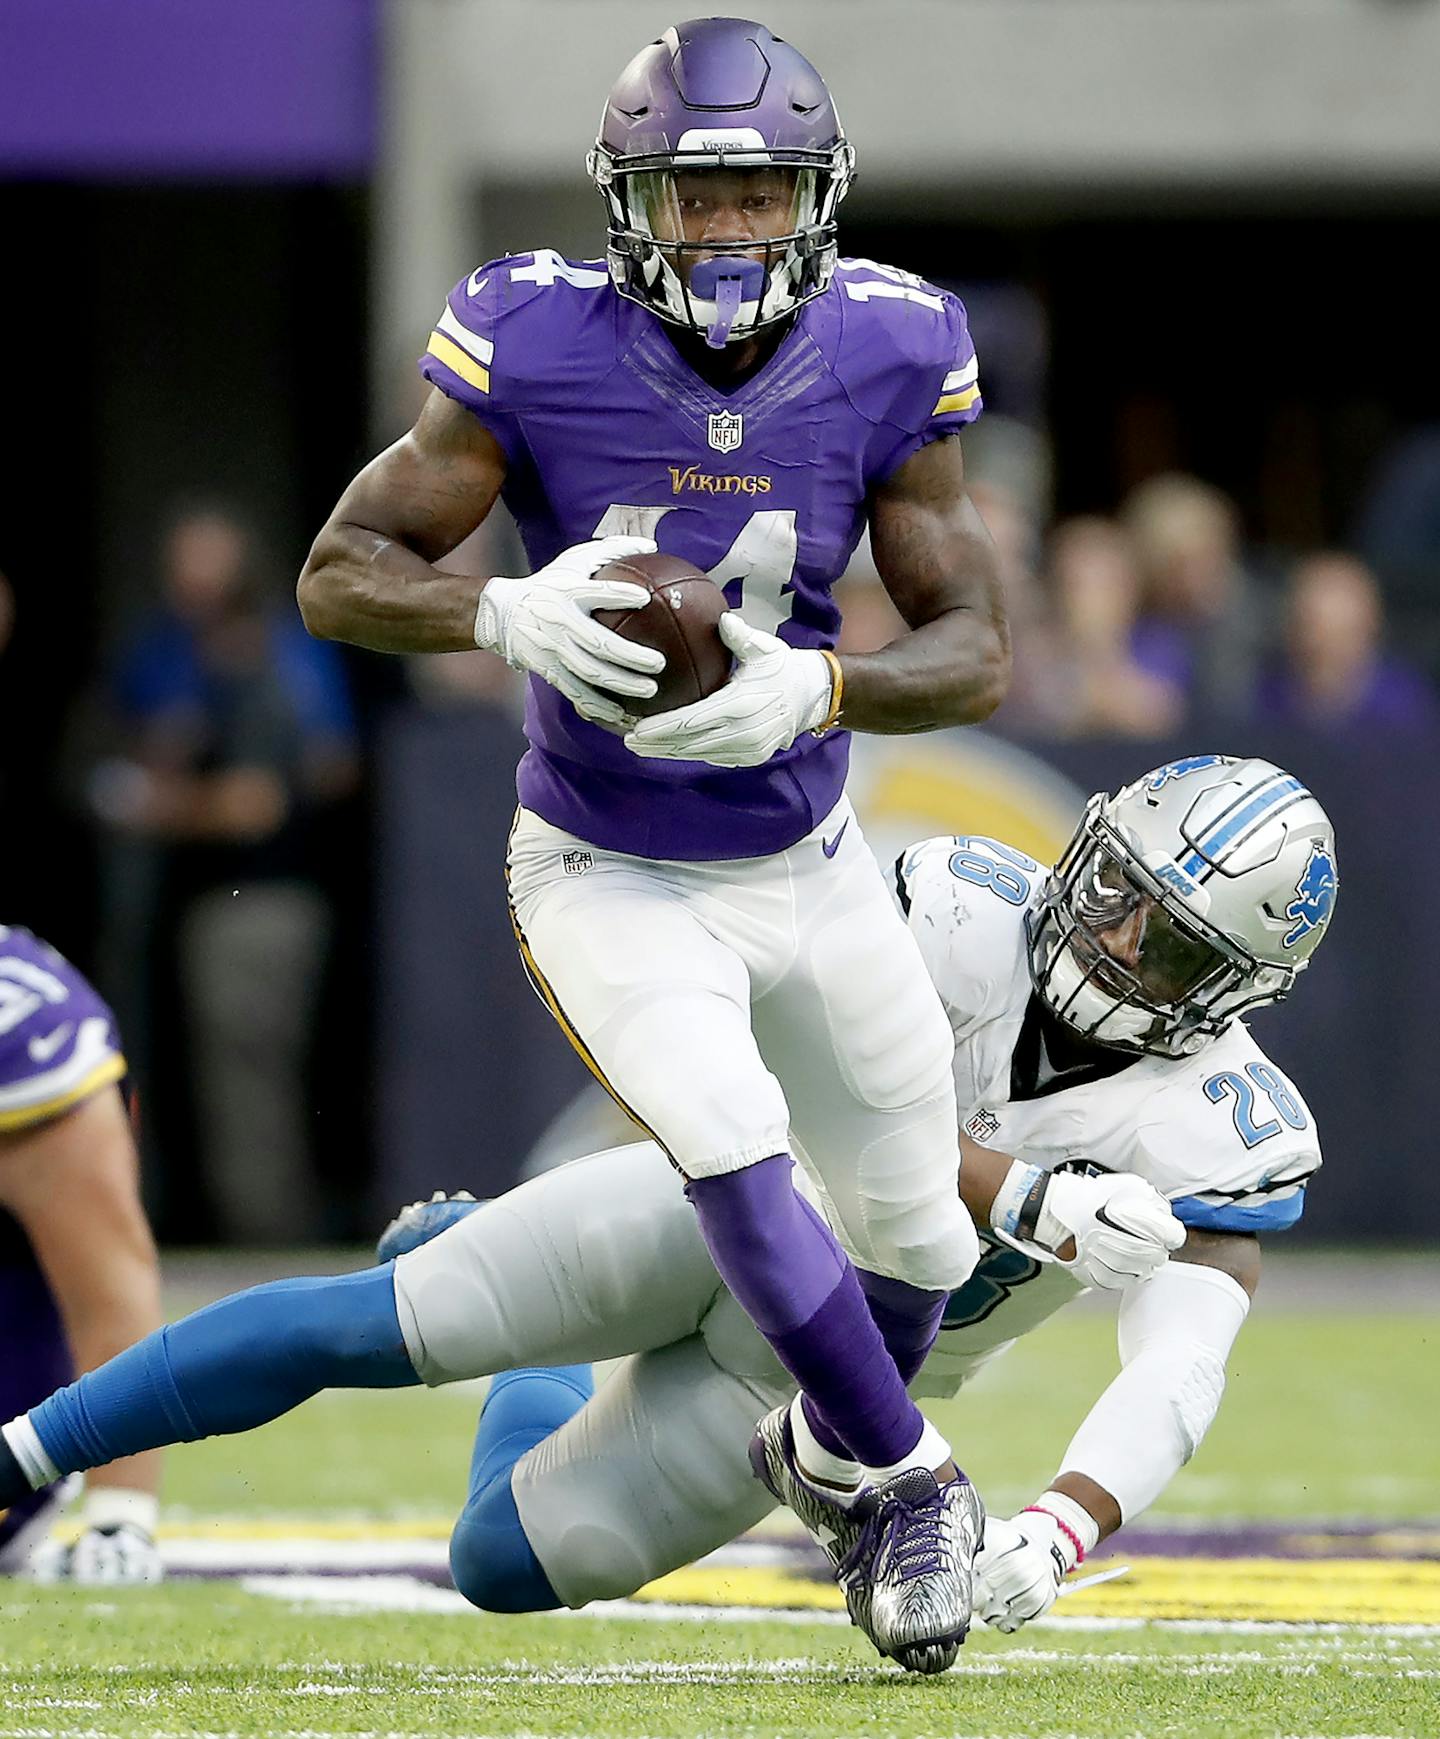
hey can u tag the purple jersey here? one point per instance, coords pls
(606, 429)
(58, 1041)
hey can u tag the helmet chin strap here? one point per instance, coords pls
(728, 282)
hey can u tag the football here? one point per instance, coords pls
(681, 620)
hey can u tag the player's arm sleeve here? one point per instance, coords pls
(938, 390)
(467, 358)
(967, 937)
(32, 1092)
(1176, 1330)
(1232, 1154)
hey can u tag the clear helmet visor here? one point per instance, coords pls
(1118, 963)
(1133, 941)
(728, 208)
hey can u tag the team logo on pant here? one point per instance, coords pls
(727, 430)
(575, 863)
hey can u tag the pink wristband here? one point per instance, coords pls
(1063, 1526)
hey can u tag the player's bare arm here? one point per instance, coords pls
(370, 578)
(1234, 1253)
(72, 1184)
(938, 564)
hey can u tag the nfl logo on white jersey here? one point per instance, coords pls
(727, 430)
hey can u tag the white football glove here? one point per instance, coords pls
(109, 1557)
(1019, 1568)
(1123, 1228)
(775, 694)
(542, 623)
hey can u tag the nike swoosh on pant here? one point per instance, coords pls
(831, 846)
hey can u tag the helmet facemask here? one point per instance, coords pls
(723, 290)
(1124, 959)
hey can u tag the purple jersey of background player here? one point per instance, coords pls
(58, 1045)
(606, 428)
(58, 1039)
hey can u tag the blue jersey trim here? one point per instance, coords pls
(1271, 1216)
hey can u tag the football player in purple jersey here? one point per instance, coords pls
(79, 1277)
(691, 893)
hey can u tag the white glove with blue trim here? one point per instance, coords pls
(542, 623)
(775, 694)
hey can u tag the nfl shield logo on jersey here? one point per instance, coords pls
(727, 430)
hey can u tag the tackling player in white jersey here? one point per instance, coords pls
(1097, 1017)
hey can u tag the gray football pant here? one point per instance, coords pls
(603, 1259)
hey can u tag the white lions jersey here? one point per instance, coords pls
(1222, 1134)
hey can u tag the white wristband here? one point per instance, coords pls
(1079, 1530)
(109, 1506)
(1011, 1197)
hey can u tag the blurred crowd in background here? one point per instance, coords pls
(1210, 458)
(217, 760)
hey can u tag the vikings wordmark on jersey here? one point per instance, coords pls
(607, 429)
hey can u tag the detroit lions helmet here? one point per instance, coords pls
(1196, 893)
(719, 94)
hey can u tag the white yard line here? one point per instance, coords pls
(354, 1594)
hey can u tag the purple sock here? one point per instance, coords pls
(781, 1262)
(909, 1320)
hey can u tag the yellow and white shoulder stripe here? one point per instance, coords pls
(960, 388)
(462, 351)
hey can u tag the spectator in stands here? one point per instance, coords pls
(1201, 626)
(1096, 684)
(236, 730)
(1397, 527)
(1336, 672)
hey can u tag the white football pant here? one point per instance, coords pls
(758, 1006)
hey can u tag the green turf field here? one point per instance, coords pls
(1333, 1413)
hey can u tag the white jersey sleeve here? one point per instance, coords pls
(1227, 1137)
(965, 899)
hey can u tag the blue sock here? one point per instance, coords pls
(230, 1367)
(491, 1559)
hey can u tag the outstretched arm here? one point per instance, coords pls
(1176, 1331)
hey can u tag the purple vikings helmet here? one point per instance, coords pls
(719, 94)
